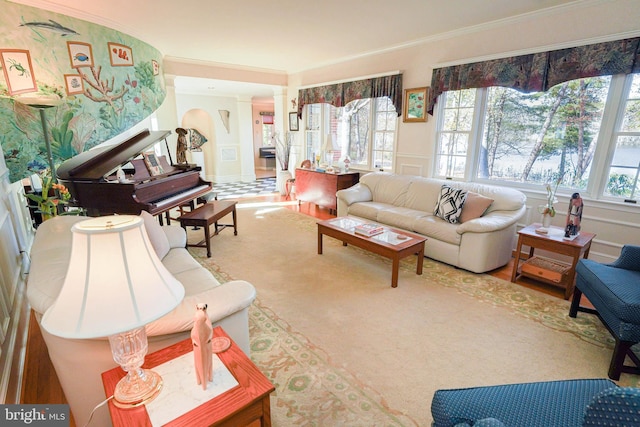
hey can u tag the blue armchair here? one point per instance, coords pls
(614, 291)
(569, 403)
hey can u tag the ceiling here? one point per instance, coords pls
(287, 36)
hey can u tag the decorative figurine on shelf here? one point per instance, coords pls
(181, 149)
(201, 336)
(574, 216)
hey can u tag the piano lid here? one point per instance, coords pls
(94, 164)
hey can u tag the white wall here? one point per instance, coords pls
(227, 157)
(16, 235)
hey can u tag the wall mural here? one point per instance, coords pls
(107, 81)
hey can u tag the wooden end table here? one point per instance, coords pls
(209, 214)
(242, 405)
(342, 228)
(553, 241)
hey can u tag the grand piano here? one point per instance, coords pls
(91, 178)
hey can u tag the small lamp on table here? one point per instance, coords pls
(115, 285)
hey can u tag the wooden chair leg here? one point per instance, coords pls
(575, 302)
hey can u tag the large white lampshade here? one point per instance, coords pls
(115, 285)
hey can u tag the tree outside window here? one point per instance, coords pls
(536, 138)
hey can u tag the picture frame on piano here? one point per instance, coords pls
(152, 163)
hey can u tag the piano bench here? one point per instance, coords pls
(208, 197)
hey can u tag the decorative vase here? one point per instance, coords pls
(281, 181)
(546, 220)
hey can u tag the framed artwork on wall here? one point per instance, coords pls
(293, 121)
(415, 104)
(120, 55)
(155, 66)
(18, 71)
(74, 84)
(80, 54)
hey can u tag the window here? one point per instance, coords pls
(364, 130)
(500, 134)
(625, 163)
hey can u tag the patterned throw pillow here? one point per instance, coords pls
(449, 205)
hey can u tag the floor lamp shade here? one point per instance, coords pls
(115, 281)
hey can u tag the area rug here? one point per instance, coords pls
(343, 348)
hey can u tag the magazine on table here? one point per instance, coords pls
(368, 229)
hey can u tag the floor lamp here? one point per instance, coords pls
(41, 102)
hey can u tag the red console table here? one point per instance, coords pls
(321, 188)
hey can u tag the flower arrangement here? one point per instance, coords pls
(48, 204)
(549, 209)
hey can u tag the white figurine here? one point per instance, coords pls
(201, 336)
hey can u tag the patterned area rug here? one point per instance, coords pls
(313, 390)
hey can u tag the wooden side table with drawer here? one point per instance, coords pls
(549, 270)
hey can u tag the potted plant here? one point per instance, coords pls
(52, 197)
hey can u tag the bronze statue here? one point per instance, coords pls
(181, 149)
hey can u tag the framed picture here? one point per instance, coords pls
(415, 104)
(293, 121)
(18, 71)
(152, 163)
(120, 55)
(80, 54)
(155, 66)
(74, 84)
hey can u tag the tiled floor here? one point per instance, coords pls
(234, 190)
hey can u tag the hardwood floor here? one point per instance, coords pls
(41, 385)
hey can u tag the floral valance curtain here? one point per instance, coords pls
(540, 71)
(341, 94)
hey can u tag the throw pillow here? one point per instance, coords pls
(450, 202)
(156, 235)
(474, 206)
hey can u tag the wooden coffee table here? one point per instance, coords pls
(246, 404)
(209, 214)
(386, 244)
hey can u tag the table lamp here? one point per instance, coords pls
(115, 285)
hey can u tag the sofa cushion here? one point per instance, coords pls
(387, 188)
(400, 217)
(369, 210)
(423, 194)
(438, 229)
(449, 205)
(157, 237)
(474, 206)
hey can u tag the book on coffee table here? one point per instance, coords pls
(368, 229)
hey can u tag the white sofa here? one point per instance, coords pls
(408, 202)
(79, 363)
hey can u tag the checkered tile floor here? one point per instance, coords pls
(235, 190)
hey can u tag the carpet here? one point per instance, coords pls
(343, 348)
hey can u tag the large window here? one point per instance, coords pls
(500, 134)
(364, 130)
(625, 164)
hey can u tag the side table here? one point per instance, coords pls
(242, 405)
(553, 241)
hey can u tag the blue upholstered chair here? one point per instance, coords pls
(569, 403)
(614, 291)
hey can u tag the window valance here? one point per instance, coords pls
(540, 71)
(340, 94)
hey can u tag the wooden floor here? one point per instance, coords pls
(41, 384)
